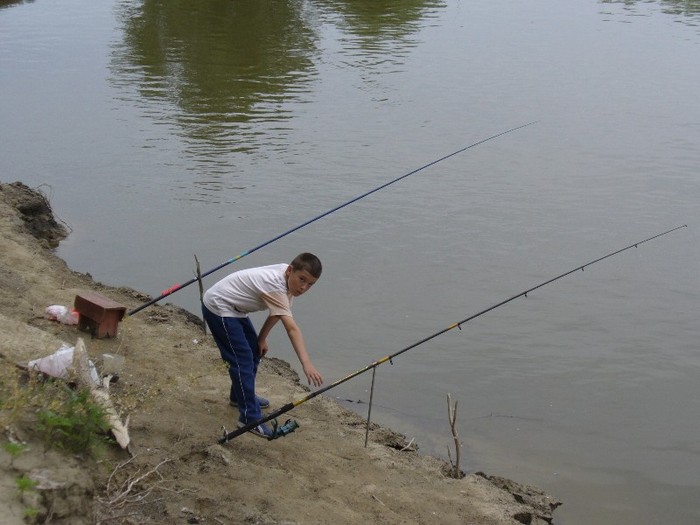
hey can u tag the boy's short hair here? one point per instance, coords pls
(308, 262)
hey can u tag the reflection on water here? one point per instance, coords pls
(10, 3)
(226, 77)
(685, 11)
(216, 72)
(378, 33)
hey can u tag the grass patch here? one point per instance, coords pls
(14, 449)
(76, 424)
(68, 419)
(25, 483)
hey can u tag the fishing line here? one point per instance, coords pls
(177, 287)
(228, 436)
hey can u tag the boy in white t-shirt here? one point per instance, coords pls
(226, 306)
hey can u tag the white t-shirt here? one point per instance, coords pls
(252, 290)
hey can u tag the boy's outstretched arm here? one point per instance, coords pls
(297, 340)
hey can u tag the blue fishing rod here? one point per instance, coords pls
(177, 287)
(290, 425)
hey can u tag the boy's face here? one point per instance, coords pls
(298, 281)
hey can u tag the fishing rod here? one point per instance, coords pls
(177, 287)
(228, 436)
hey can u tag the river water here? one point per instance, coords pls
(164, 130)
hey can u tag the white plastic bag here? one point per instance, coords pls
(62, 314)
(59, 363)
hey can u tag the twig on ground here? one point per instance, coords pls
(376, 498)
(408, 445)
(124, 494)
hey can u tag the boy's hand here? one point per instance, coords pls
(262, 347)
(297, 340)
(312, 375)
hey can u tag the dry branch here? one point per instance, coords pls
(201, 289)
(452, 414)
(125, 495)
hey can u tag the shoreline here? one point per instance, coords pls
(173, 387)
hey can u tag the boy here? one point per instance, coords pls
(226, 306)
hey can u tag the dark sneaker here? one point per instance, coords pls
(262, 430)
(264, 403)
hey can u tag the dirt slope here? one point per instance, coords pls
(174, 389)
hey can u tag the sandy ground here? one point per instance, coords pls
(173, 387)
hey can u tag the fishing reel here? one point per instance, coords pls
(279, 431)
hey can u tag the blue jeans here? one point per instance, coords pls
(238, 343)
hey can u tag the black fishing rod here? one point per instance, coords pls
(228, 436)
(177, 287)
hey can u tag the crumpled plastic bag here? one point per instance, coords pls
(62, 314)
(59, 364)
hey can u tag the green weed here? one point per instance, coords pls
(78, 424)
(25, 483)
(14, 449)
(68, 419)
